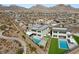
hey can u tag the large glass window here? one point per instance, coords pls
(34, 30)
(55, 31)
(39, 31)
(62, 32)
(62, 37)
(54, 35)
(39, 35)
(68, 36)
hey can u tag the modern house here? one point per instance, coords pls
(38, 29)
(37, 33)
(64, 36)
(61, 32)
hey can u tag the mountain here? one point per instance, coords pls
(38, 6)
(16, 7)
(12, 7)
(2, 7)
(41, 8)
(56, 8)
(63, 8)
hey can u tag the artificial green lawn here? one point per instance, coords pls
(76, 38)
(54, 48)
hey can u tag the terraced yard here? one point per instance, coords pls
(54, 49)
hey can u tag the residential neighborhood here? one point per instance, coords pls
(39, 29)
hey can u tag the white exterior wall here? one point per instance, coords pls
(42, 33)
(61, 34)
(58, 34)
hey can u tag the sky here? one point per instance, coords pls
(47, 5)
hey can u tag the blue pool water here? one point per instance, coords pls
(63, 44)
(36, 39)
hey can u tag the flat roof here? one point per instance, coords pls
(39, 27)
(59, 29)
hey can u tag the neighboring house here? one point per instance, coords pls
(61, 32)
(64, 33)
(38, 29)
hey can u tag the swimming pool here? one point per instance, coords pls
(63, 44)
(36, 39)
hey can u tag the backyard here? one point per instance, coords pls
(54, 49)
(76, 38)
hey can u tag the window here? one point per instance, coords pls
(54, 35)
(34, 30)
(68, 36)
(39, 31)
(63, 32)
(34, 33)
(62, 37)
(39, 35)
(55, 31)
